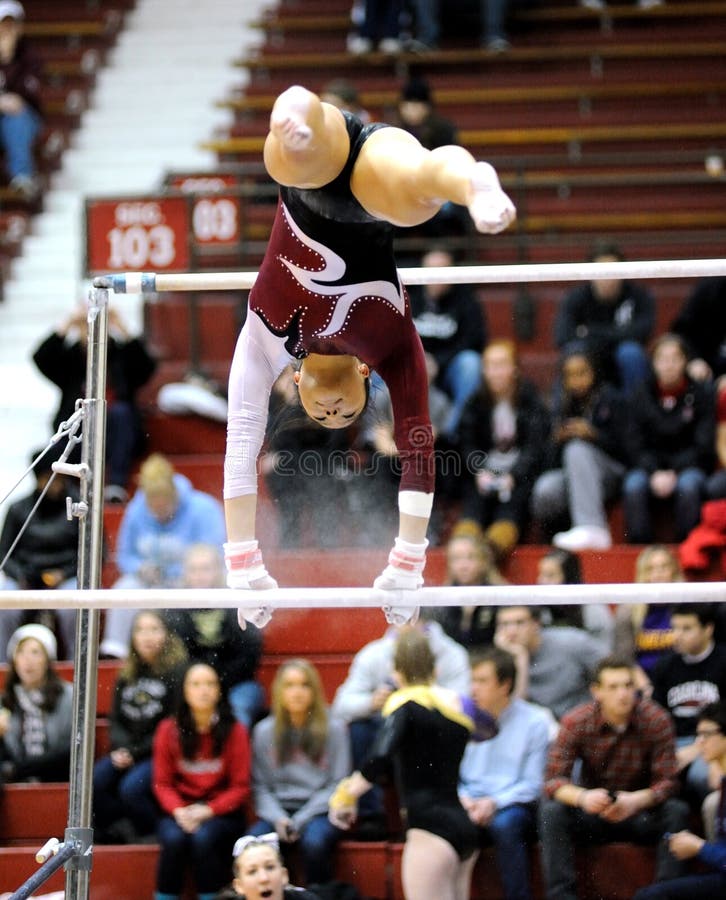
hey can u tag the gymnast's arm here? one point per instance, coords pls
(259, 358)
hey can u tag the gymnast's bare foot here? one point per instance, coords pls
(288, 121)
(490, 208)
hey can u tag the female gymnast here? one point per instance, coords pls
(426, 729)
(328, 294)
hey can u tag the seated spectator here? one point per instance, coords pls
(36, 712)
(716, 484)
(361, 697)
(500, 781)
(426, 26)
(586, 458)
(469, 562)
(145, 692)
(503, 429)
(259, 873)
(554, 665)
(672, 427)
(20, 103)
(627, 781)
(379, 26)
(684, 845)
(612, 318)
(450, 322)
(562, 567)
(61, 357)
(643, 632)
(201, 780)
(701, 322)
(417, 115)
(494, 14)
(343, 93)
(195, 395)
(164, 517)
(686, 679)
(300, 753)
(212, 635)
(46, 553)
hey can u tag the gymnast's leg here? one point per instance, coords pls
(429, 867)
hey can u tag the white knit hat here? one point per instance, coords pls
(11, 9)
(43, 635)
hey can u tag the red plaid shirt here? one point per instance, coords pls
(642, 756)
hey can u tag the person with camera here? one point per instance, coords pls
(628, 778)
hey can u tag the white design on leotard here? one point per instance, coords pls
(320, 282)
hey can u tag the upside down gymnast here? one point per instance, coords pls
(328, 294)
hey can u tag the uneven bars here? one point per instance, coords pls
(352, 597)
(151, 283)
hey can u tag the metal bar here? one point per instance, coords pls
(41, 875)
(352, 597)
(89, 577)
(149, 282)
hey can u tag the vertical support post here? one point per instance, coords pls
(90, 556)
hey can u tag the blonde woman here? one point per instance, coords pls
(423, 738)
(300, 753)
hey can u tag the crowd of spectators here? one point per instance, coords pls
(582, 752)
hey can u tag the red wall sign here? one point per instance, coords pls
(145, 234)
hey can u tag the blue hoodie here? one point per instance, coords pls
(143, 539)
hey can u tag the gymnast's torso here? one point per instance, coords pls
(424, 741)
(329, 285)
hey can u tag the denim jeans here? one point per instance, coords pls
(17, 137)
(460, 379)
(687, 497)
(317, 841)
(510, 832)
(247, 700)
(561, 826)
(690, 887)
(208, 852)
(119, 793)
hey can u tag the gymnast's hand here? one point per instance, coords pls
(404, 572)
(246, 571)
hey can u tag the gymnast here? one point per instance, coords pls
(425, 731)
(328, 294)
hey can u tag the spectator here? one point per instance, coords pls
(423, 741)
(380, 26)
(259, 873)
(61, 357)
(212, 636)
(716, 484)
(427, 26)
(502, 431)
(300, 753)
(450, 322)
(469, 562)
(500, 780)
(144, 693)
(672, 423)
(627, 781)
(370, 681)
(562, 567)
(417, 115)
(587, 457)
(701, 322)
(554, 665)
(684, 845)
(686, 679)
(164, 517)
(20, 104)
(344, 94)
(36, 710)
(201, 772)
(613, 319)
(494, 15)
(46, 554)
(642, 631)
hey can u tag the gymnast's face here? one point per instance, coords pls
(332, 389)
(259, 874)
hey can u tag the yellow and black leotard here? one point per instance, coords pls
(423, 740)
